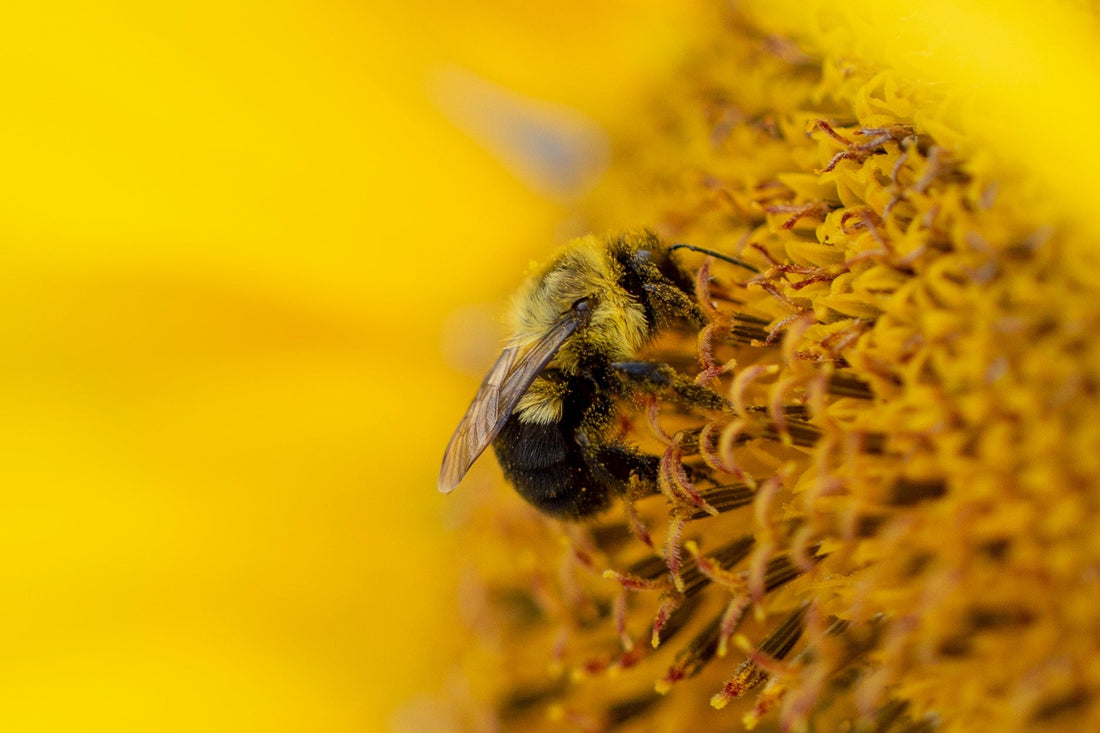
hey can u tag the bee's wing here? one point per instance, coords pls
(502, 389)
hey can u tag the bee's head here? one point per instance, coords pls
(652, 276)
(588, 280)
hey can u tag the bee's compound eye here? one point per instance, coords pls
(583, 306)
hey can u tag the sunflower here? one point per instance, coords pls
(892, 526)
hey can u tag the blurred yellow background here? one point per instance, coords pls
(232, 236)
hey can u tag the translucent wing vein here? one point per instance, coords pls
(502, 389)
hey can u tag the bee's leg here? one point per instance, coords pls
(662, 380)
(670, 302)
(615, 464)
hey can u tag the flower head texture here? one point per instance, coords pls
(892, 526)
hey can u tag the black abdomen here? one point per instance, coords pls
(548, 468)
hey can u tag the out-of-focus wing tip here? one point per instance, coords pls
(448, 481)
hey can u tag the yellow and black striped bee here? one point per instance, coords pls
(549, 402)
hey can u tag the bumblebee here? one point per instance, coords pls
(548, 404)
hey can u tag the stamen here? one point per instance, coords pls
(750, 672)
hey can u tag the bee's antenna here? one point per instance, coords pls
(717, 255)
